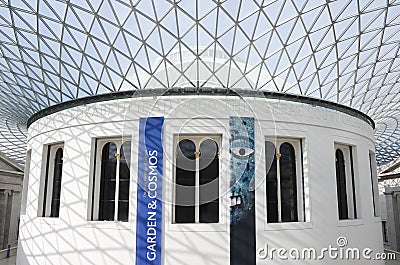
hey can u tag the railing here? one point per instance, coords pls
(8, 252)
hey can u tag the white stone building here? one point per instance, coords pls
(11, 177)
(287, 173)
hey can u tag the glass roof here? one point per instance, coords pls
(345, 51)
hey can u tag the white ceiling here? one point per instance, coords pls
(344, 51)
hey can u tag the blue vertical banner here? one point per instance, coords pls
(149, 191)
(242, 194)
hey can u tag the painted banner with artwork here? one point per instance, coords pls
(149, 191)
(242, 195)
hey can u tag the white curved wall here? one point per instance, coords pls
(72, 239)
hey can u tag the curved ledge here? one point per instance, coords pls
(200, 91)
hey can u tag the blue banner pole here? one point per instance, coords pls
(149, 192)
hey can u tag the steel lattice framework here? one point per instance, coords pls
(345, 51)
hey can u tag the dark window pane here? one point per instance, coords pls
(209, 182)
(46, 180)
(272, 186)
(287, 164)
(371, 171)
(123, 190)
(185, 167)
(124, 181)
(186, 148)
(55, 201)
(107, 211)
(184, 214)
(107, 182)
(209, 212)
(123, 210)
(352, 183)
(341, 185)
(126, 153)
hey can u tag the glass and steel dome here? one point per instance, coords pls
(345, 51)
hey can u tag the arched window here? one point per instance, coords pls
(24, 193)
(197, 180)
(107, 182)
(345, 182)
(111, 183)
(272, 183)
(185, 181)
(55, 201)
(341, 185)
(374, 183)
(288, 183)
(282, 179)
(124, 181)
(209, 181)
(50, 199)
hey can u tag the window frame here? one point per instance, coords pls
(385, 234)
(96, 179)
(374, 183)
(349, 156)
(297, 144)
(24, 193)
(197, 139)
(47, 180)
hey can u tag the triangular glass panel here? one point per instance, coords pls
(231, 8)
(320, 20)
(162, 8)
(300, 66)
(315, 4)
(371, 39)
(107, 12)
(347, 47)
(297, 33)
(391, 34)
(24, 20)
(190, 39)
(262, 27)
(285, 30)
(122, 11)
(273, 10)
(154, 41)
(55, 10)
(248, 25)
(225, 22)
(274, 46)
(110, 30)
(79, 19)
(185, 23)
(226, 40)
(205, 7)
(98, 32)
(288, 12)
(5, 15)
(283, 64)
(204, 38)
(388, 52)
(309, 17)
(247, 8)
(327, 74)
(343, 9)
(272, 62)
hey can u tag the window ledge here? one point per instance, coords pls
(49, 220)
(116, 225)
(287, 226)
(218, 227)
(350, 222)
(377, 219)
